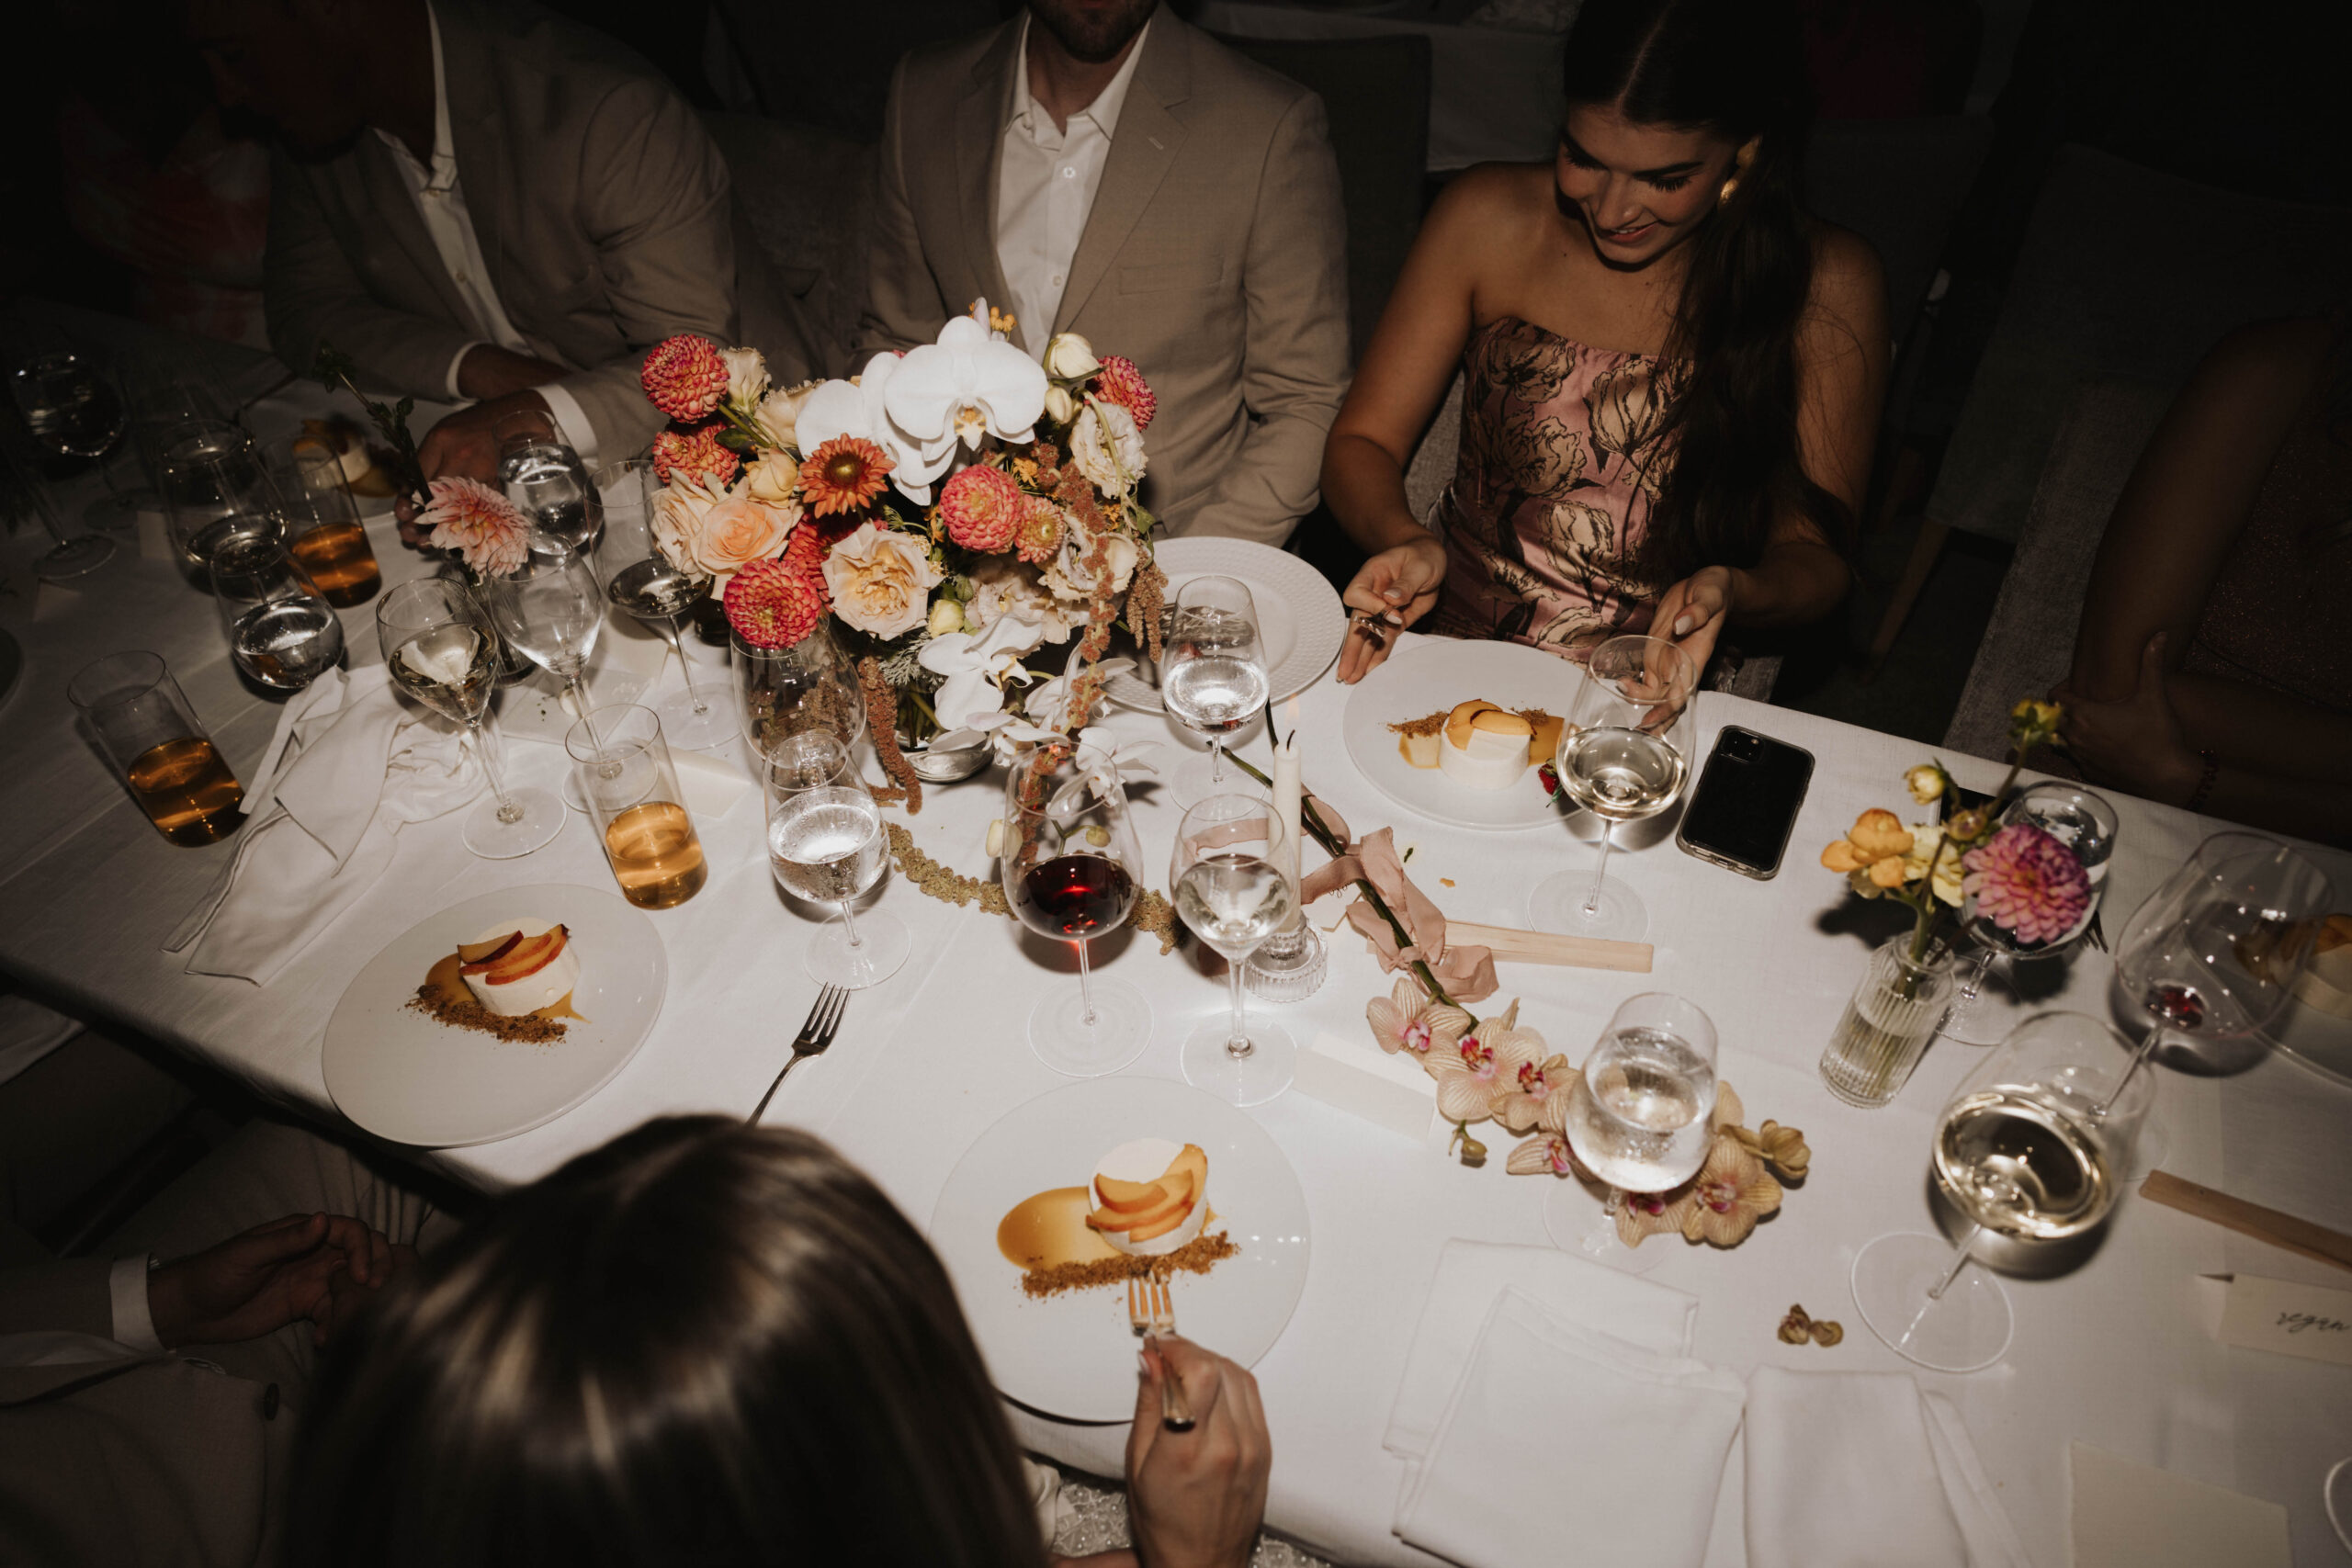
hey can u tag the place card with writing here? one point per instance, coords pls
(2292, 1319)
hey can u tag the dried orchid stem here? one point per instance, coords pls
(882, 727)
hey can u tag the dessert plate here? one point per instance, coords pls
(1073, 1355)
(2315, 1026)
(404, 1077)
(1300, 619)
(1430, 676)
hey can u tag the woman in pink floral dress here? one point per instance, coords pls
(1671, 375)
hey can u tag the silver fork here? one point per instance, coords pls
(814, 1036)
(1151, 1313)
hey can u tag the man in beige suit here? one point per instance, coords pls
(1098, 166)
(478, 200)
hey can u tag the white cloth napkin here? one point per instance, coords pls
(1863, 1470)
(1562, 1443)
(348, 767)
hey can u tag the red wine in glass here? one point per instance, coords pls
(1073, 896)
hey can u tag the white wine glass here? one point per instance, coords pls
(2033, 1147)
(1624, 756)
(1640, 1117)
(552, 608)
(282, 631)
(826, 844)
(1213, 679)
(1228, 882)
(1072, 868)
(645, 584)
(441, 649)
(2085, 825)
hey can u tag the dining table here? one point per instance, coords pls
(2113, 1351)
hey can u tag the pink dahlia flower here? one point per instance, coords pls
(1120, 382)
(482, 526)
(698, 454)
(685, 376)
(983, 508)
(775, 603)
(2029, 884)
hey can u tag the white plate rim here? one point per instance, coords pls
(1320, 619)
(1370, 691)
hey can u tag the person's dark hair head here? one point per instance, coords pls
(702, 1344)
(1735, 68)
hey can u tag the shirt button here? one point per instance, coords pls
(1056, 280)
(1069, 174)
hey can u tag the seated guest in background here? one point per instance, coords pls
(480, 201)
(715, 1345)
(150, 1412)
(1672, 374)
(1106, 169)
(2213, 668)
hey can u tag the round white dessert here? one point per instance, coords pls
(544, 987)
(1147, 1159)
(1492, 760)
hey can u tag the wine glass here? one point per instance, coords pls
(644, 582)
(70, 403)
(68, 556)
(440, 646)
(1640, 1117)
(826, 843)
(2082, 823)
(2033, 1147)
(1625, 755)
(1070, 868)
(1212, 678)
(784, 691)
(161, 397)
(1231, 887)
(542, 475)
(552, 608)
(282, 631)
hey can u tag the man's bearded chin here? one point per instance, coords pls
(1091, 35)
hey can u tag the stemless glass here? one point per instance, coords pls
(784, 691)
(322, 527)
(2083, 823)
(1230, 884)
(175, 773)
(541, 474)
(1213, 678)
(212, 473)
(826, 844)
(441, 649)
(1625, 755)
(1640, 1117)
(552, 608)
(631, 786)
(282, 631)
(1071, 869)
(642, 581)
(2033, 1147)
(162, 396)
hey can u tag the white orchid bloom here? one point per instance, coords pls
(1104, 747)
(861, 409)
(977, 668)
(964, 387)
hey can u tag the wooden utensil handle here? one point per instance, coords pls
(1545, 947)
(2315, 1242)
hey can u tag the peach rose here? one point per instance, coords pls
(678, 512)
(881, 581)
(771, 479)
(737, 531)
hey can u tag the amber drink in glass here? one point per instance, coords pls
(631, 787)
(323, 523)
(175, 773)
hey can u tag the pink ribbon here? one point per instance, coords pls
(1466, 972)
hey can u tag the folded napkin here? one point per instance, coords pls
(1862, 1470)
(348, 767)
(1564, 1444)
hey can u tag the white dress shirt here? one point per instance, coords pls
(441, 203)
(1045, 186)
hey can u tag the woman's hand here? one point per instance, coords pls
(1195, 1499)
(1396, 588)
(1691, 614)
(2136, 742)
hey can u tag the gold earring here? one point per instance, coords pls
(1722, 196)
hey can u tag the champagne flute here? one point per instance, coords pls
(826, 843)
(1071, 869)
(2034, 1148)
(1231, 887)
(542, 475)
(552, 608)
(644, 582)
(2082, 823)
(1625, 755)
(441, 649)
(1640, 1117)
(282, 632)
(1212, 678)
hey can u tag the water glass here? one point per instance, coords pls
(1213, 678)
(624, 774)
(282, 631)
(322, 527)
(541, 474)
(827, 845)
(1230, 884)
(1640, 1116)
(143, 721)
(211, 473)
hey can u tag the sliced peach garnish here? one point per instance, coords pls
(1131, 1197)
(477, 956)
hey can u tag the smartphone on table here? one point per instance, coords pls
(1745, 803)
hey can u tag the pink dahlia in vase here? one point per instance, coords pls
(2028, 884)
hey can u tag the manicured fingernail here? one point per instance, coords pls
(1143, 1366)
(1682, 626)
(1394, 595)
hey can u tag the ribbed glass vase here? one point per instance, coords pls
(1893, 1014)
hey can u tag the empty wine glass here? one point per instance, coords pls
(2083, 824)
(2033, 1147)
(541, 474)
(784, 691)
(1212, 679)
(441, 649)
(644, 582)
(282, 631)
(1640, 1116)
(1625, 755)
(552, 608)
(68, 556)
(1071, 869)
(1229, 885)
(826, 843)
(68, 402)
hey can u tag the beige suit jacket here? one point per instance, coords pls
(600, 201)
(1214, 257)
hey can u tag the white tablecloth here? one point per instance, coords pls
(2108, 1353)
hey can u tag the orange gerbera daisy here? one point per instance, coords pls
(843, 475)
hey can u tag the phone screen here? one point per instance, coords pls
(1747, 801)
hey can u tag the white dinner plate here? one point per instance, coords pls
(1074, 1355)
(2318, 1039)
(1431, 678)
(404, 1077)
(1300, 619)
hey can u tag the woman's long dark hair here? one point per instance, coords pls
(702, 1344)
(1735, 67)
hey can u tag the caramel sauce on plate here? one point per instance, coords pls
(443, 995)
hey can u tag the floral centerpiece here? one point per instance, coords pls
(951, 510)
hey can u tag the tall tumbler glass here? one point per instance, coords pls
(322, 527)
(211, 474)
(144, 720)
(624, 774)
